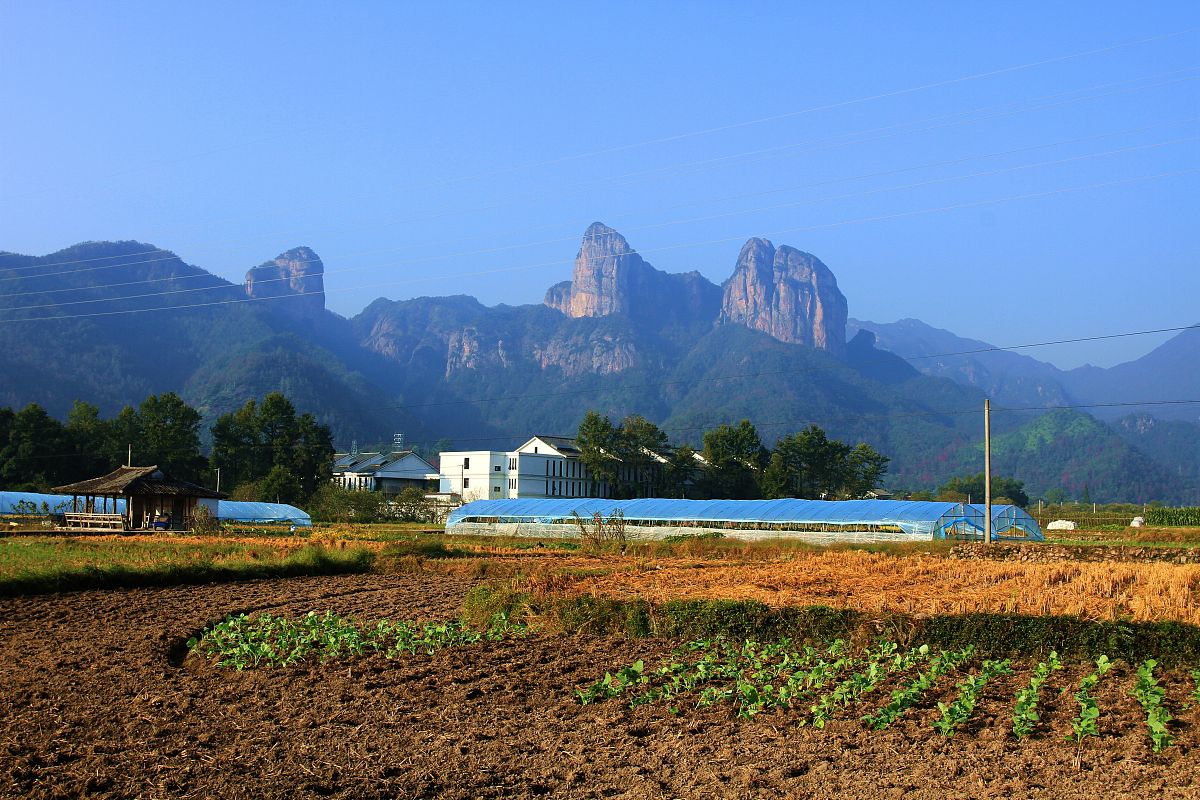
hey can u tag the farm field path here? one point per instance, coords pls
(94, 702)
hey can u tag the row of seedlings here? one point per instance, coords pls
(754, 677)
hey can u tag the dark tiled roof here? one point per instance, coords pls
(563, 444)
(136, 480)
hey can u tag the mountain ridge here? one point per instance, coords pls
(622, 337)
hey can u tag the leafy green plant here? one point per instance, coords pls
(911, 692)
(957, 714)
(613, 684)
(1025, 710)
(244, 642)
(877, 666)
(1084, 724)
(1150, 695)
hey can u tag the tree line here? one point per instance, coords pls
(637, 459)
(264, 450)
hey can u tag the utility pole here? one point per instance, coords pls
(218, 480)
(129, 458)
(987, 471)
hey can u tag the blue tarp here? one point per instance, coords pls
(918, 519)
(1006, 519)
(239, 511)
(227, 510)
(32, 503)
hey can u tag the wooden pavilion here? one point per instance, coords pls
(153, 501)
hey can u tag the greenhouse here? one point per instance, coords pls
(30, 504)
(822, 521)
(1013, 522)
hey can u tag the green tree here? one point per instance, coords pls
(312, 453)
(170, 436)
(680, 471)
(279, 486)
(807, 464)
(236, 448)
(35, 455)
(125, 431)
(252, 441)
(966, 487)
(277, 428)
(599, 444)
(866, 469)
(90, 438)
(734, 457)
(640, 445)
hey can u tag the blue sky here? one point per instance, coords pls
(426, 150)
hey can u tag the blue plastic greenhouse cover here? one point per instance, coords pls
(240, 511)
(31, 502)
(1007, 517)
(920, 518)
(233, 510)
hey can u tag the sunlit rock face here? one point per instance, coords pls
(292, 281)
(788, 294)
(611, 278)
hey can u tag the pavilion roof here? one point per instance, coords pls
(125, 481)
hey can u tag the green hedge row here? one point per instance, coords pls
(993, 635)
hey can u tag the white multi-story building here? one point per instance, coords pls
(382, 472)
(545, 466)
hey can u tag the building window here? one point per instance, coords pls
(466, 483)
(497, 468)
(512, 463)
(466, 463)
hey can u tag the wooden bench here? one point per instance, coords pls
(83, 521)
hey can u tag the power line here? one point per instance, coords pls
(804, 370)
(825, 182)
(829, 142)
(559, 262)
(809, 420)
(806, 201)
(844, 103)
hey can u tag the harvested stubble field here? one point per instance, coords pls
(99, 700)
(914, 584)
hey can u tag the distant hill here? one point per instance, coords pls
(110, 322)
(190, 332)
(1009, 378)
(1169, 372)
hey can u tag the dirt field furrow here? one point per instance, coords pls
(95, 702)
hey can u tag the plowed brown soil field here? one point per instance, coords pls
(97, 701)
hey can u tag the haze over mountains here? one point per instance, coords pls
(110, 322)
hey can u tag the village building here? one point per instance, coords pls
(152, 500)
(389, 473)
(545, 466)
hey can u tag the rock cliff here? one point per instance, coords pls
(611, 278)
(296, 274)
(788, 294)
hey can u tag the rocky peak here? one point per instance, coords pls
(296, 274)
(787, 294)
(605, 268)
(611, 278)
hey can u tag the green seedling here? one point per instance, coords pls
(1025, 712)
(1151, 695)
(957, 714)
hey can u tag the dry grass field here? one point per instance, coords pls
(910, 584)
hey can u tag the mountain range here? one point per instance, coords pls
(110, 322)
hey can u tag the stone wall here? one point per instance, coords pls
(1042, 553)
